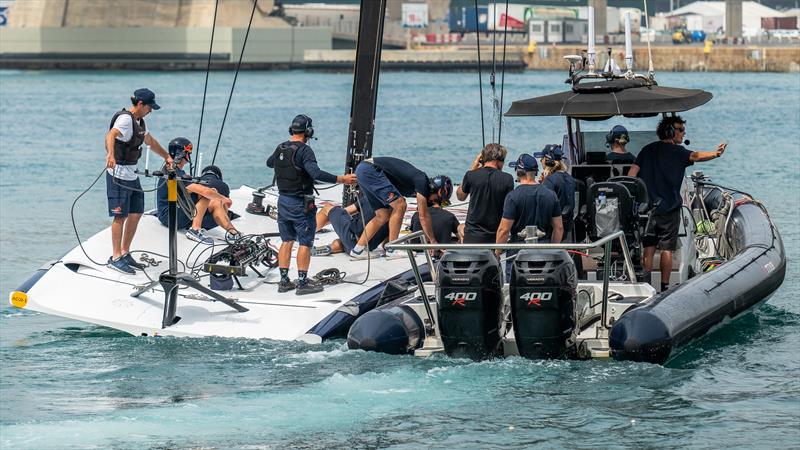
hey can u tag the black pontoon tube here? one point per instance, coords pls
(655, 330)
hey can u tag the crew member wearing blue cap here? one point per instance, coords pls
(530, 204)
(385, 182)
(557, 179)
(123, 142)
(616, 140)
(295, 171)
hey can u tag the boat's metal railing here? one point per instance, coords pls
(605, 242)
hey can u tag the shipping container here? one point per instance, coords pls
(509, 17)
(558, 31)
(463, 19)
(779, 23)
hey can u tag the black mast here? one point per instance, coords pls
(365, 88)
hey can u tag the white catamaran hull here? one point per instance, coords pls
(76, 288)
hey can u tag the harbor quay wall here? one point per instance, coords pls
(665, 58)
(679, 58)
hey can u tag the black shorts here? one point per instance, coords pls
(662, 231)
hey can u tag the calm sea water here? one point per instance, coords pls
(66, 384)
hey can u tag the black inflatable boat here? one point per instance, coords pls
(596, 301)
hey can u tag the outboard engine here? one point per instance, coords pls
(542, 292)
(469, 292)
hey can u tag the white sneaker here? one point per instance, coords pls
(395, 254)
(199, 236)
(363, 254)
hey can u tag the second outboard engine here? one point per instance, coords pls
(469, 292)
(542, 292)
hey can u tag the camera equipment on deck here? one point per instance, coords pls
(248, 251)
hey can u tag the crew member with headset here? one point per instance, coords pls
(209, 197)
(662, 165)
(616, 140)
(127, 132)
(295, 171)
(385, 182)
(557, 179)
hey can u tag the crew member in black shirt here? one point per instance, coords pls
(295, 171)
(487, 186)
(661, 165)
(385, 182)
(445, 224)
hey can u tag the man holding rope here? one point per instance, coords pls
(123, 142)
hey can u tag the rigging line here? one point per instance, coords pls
(503, 76)
(205, 86)
(480, 75)
(235, 76)
(494, 64)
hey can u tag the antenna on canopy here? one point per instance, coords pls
(628, 46)
(650, 68)
(591, 52)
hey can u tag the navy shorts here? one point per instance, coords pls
(341, 222)
(378, 190)
(124, 196)
(184, 221)
(663, 230)
(293, 222)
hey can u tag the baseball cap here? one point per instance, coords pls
(617, 132)
(552, 151)
(525, 162)
(147, 97)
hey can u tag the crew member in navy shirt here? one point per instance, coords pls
(557, 179)
(661, 165)
(530, 203)
(295, 171)
(385, 182)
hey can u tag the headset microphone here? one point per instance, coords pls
(686, 142)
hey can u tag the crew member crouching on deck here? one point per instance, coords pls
(209, 197)
(385, 182)
(295, 171)
(123, 142)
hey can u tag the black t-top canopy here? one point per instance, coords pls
(608, 98)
